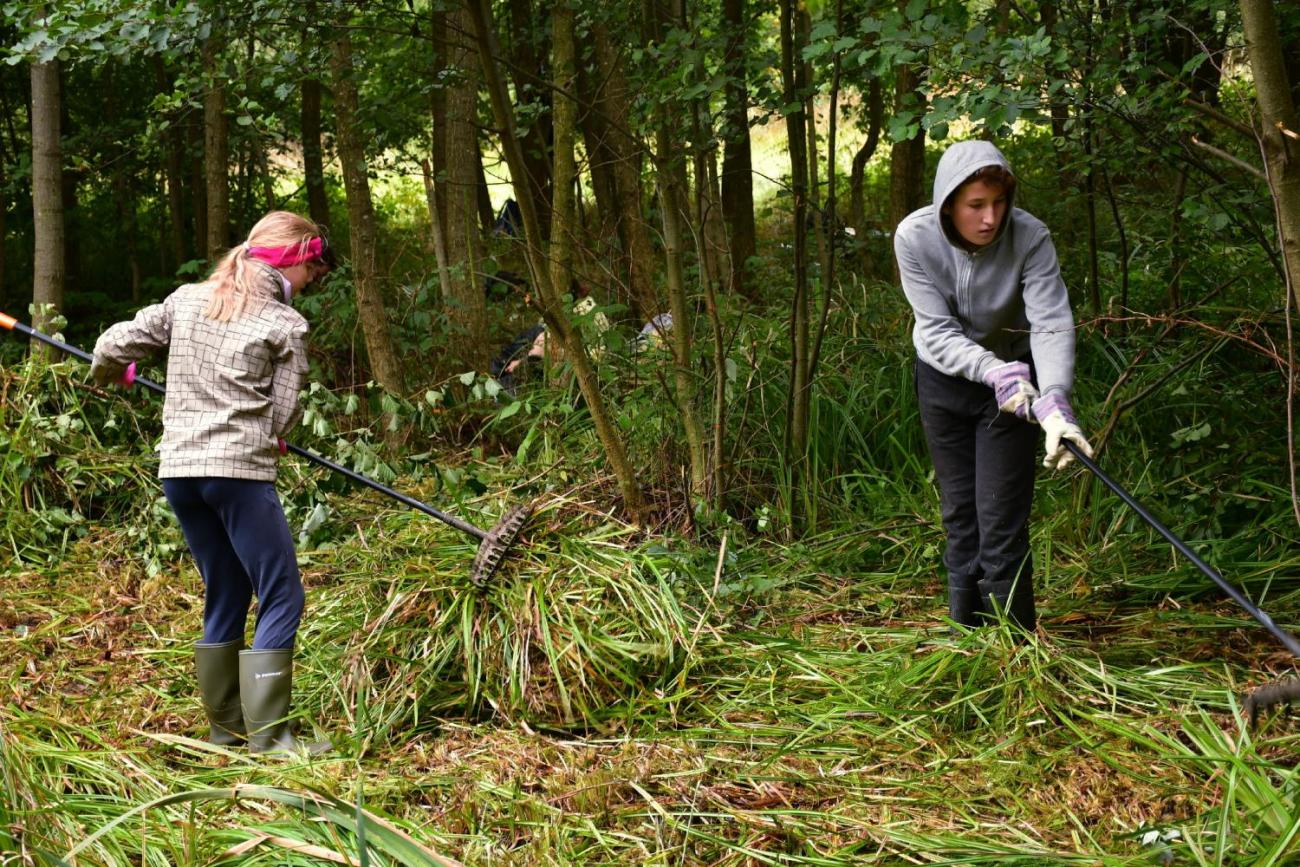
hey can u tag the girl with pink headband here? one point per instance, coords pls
(236, 361)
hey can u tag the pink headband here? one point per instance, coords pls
(284, 257)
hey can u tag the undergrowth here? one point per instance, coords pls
(701, 690)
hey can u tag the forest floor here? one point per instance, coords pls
(813, 708)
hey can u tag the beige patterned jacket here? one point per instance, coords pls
(232, 387)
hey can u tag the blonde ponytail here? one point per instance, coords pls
(230, 285)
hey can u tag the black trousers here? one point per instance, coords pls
(984, 463)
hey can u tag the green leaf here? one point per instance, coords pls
(467, 377)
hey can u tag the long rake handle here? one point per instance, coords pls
(1237, 596)
(14, 325)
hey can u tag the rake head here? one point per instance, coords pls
(1259, 700)
(493, 549)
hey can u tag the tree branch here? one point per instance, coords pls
(1217, 115)
(1224, 155)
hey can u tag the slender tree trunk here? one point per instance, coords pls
(439, 241)
(384, 364)
(123, 189)
(714, 249)
(1279, 129)
(530, 88)
(198, 186)
(907, 158)
(313, 157)
(558, 324)
(671, 173)
(216, 152)
(47, 197)
(4, 227)
(438, 110)
(71, 188)
(482, 195)
(828, 274)
(737, 159)
(858, 173)
(600, 164)
(465, 305)
(614, 100)
(564, 111)
(795, 443)
(173, 172)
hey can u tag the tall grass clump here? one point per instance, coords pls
(576, 625)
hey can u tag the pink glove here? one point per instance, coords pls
(128, 375)
(284, 446)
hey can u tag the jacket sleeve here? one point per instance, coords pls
(125, 342)
(1051, 323)
(288, 378)
(940, 338)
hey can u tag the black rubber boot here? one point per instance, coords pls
(265, 688)
(1014, 597)
(965, 605)
(217, 666)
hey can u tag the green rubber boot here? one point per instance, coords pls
(265, 688)
(217, 667)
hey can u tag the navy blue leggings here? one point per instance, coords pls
(239, 537)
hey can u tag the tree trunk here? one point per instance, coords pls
(313, 157)
(465, 305)
(611, 105)
(858, 173)
(384, 363)
(1280, 131)
(47, 198)
(907, 158)
(438, 111)
(198, 185)
(1059, 108)
(216, 153)
(564, 111)
(530, 79)
(482, 195)
(737, 159)
(714, 251)
(557, 320)
(600, 163)
(795, 445)
(670, 170)
(173, 171)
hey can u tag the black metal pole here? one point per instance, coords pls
(464, 527)
(1253, 610)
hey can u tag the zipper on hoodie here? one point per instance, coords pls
(964, 271)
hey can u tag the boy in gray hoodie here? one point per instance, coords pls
(994, 340)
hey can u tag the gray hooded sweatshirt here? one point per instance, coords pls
(977, 310)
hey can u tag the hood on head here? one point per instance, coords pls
(958, 163)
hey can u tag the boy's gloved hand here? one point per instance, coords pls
(1012, 388)
(1053, 412)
